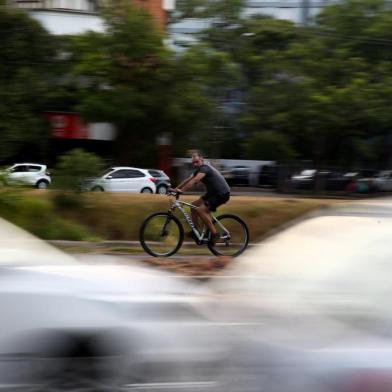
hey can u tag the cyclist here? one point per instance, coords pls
(217, 193)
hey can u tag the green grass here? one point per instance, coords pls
(104, 216)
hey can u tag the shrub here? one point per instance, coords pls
(74, 167)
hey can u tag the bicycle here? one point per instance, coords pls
(162, 233)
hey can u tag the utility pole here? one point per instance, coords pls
(305, 5)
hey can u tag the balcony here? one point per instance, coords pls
(66, 5)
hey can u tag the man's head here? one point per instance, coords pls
(197, 159)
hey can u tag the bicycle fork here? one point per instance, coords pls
(165, 231)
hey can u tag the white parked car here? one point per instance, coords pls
(33, 174)
(123, 179)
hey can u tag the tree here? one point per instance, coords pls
(124, 77)
(321, 86)
(132, 80)
(269, 145)
(27, 55)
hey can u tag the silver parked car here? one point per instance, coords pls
(162, 180)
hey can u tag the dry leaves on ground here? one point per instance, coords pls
(202, 266)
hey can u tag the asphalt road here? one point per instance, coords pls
(124, 259)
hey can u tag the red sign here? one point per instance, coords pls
(67, 125)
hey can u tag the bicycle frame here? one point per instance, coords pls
(199, 235)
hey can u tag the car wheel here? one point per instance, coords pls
(87, 374)
(78, 366)
(146, 190)
(162, 190)
(42, 184)
(97, 189)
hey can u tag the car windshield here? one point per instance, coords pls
(335, 266)
(156, 173)
(106, 172)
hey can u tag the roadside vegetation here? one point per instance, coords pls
(58, 215)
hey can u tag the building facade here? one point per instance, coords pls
(184, 33)
(79, 16)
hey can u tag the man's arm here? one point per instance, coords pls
(183, 183)
(184, 186)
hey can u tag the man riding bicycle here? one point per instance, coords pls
(218, 192)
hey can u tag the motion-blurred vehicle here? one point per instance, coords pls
(268, 176)
(328, 180)
(311, 305)
(383, 181)
(32, 174)
(304, 180)
(122, 179)
(335, 181)
(71, 327)
(238, 175)
(162, 182)
(366, 181)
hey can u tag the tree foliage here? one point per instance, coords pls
(326, 87)
(74, 167)
(27, 53)
(253, 87)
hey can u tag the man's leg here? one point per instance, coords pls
(204, 214)
(195, 215)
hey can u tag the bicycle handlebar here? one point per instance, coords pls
(175, 194)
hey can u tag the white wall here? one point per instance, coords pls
(67, 22)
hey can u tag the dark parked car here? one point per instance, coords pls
(335, 181)
(238, 175)
(304, 180)
(268, 175)
(328, 180)
(162, 180)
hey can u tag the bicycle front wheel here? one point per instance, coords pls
(234, 236)
(161, 234)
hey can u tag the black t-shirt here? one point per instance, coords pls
(213, 180)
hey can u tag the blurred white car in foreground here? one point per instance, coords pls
(66, 326)
(306, 311)
(310, 307)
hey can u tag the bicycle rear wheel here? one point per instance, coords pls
(234, 236)
(161, 234)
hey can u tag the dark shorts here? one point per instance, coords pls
(215, 200)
